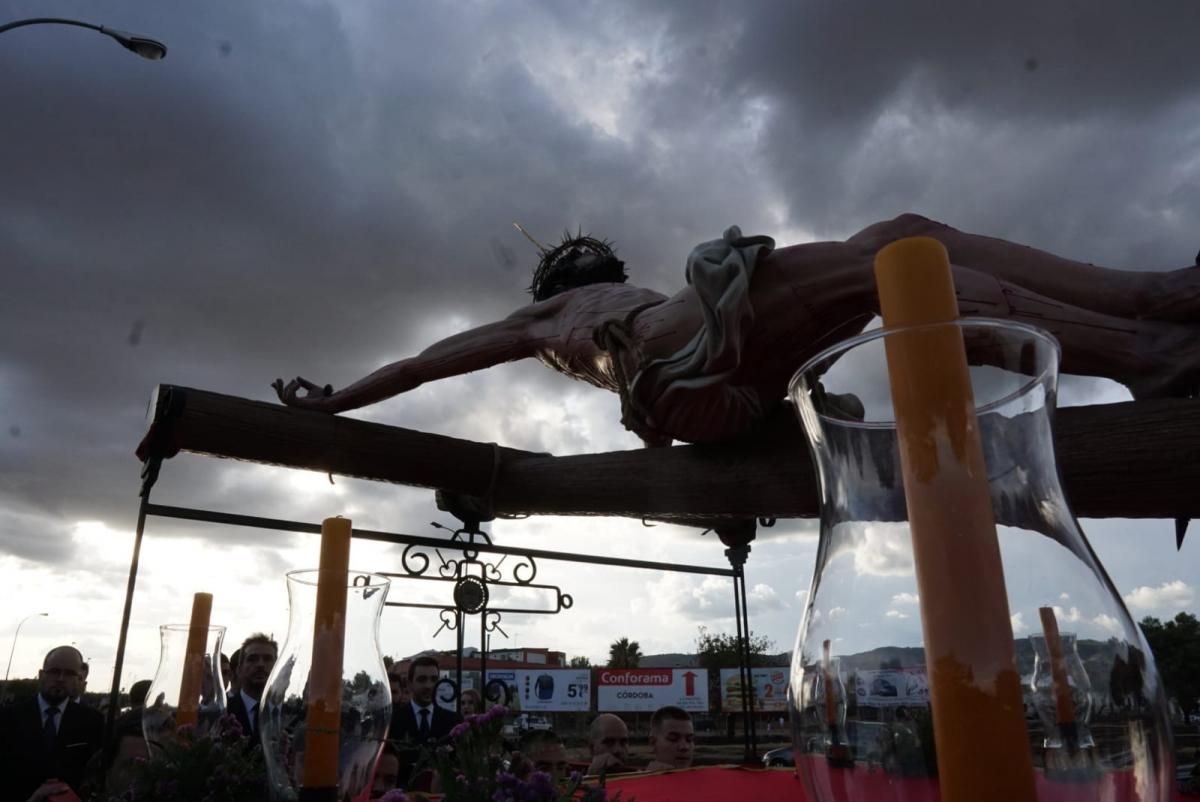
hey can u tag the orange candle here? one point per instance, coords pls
(1064, 705)
(830, 702)
(193, 661)
(325, 678)
(978, 715)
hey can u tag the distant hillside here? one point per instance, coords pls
(1095, 655)
(678, 660)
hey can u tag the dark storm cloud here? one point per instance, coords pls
(1071, 125)
(34, 535)
(309, 188)
(259, 204)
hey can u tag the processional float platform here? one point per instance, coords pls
(1139, 459)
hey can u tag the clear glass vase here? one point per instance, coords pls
(1061, 694)
(366, 704)
(183, 692)
(994, 718)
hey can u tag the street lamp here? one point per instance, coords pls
(144, 46)
(14, 644)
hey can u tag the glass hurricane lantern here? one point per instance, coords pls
(864, 598)
(366, 703)
(161, 714)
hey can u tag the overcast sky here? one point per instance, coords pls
(319, 188)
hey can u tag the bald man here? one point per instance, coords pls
(49, 737)
(608, 739)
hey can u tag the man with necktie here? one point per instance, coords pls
(421, 720)
(50, 737)
(256, 658)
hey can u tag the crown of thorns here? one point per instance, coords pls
(577, 261)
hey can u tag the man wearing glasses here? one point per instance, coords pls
(51, 737)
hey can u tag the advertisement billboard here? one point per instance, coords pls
(891, 687)
(770, 689)
(548, 690)
(644, 690)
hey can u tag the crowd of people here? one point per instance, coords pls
(53, 747)
(416, 719)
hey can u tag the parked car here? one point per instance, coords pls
(783, 756)
(527, 722)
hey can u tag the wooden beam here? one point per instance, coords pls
(1132, 460)
(215, 425)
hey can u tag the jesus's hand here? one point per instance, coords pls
(315, 396)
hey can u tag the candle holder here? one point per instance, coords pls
(167, 707)
(831, 699)
(1069, 732)
(366, 704)
(864, 606)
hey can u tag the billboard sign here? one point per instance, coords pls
(547, 690)
(644, 690)
(770, 689)
(892, 687)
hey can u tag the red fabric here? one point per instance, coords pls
(710, 784)
(733, 783)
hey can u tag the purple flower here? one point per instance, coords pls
(497, 711)
(459, 729)
(395, 795)
(229, 728)
(542, 785)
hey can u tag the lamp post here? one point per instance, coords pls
(13, 650)
(144, 46)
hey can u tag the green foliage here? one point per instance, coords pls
(1176, 648)
(580, 662)
(18, 691)
(361, 682)
(624, 653)
(203, 768)
(717, 650)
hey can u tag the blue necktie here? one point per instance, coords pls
(423, 731)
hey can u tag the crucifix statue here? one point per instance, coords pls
(709, 362)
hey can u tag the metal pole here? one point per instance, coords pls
(13, 650)
(149, 475)
(483, 644)
(141, 45)
(462, 622)
(50, 21)
(743, 677)
(257, 522)
(745, 613)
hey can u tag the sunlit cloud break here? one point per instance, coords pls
(1169, 596)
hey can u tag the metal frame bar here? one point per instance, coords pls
(150, 475)
(253, 521)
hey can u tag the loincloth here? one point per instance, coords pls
(686, 396)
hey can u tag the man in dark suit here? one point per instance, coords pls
(256, 658)
(50, 737)
(420, 720)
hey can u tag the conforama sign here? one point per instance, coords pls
(644, 690)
